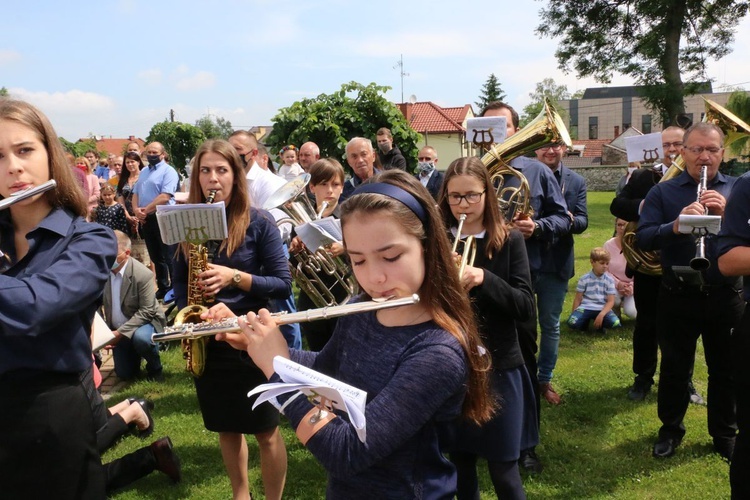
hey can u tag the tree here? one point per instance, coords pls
(4, 92)
(655, 42)
(218, 129)
(181, 140)
(491, 91)
(739, 105)
(331, 120)
(78, 148)
(545, 88)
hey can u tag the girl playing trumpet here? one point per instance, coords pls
(421, 365)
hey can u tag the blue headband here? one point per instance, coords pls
(396, 193)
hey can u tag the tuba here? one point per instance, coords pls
(547, 127)
(194, 350)
(326, 279)
(647, 262)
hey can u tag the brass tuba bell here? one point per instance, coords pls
(547, 127)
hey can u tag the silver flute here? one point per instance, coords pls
(27, 193)
(231, 325)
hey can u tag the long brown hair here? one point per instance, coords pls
(238, 211)
(442, 295)
(68, 193)
(494, 224)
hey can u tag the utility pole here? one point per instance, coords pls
(400, 66)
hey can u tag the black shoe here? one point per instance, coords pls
(665, 447)
(695, 398)
(147, 407)
(639, 390)
(725, 447)
(167, 461)
(160, 294)
(530, 462)
(155, 377)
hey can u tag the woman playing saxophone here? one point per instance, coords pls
(248, 268)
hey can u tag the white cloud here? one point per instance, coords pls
(72, 101)
(150, 76)
(199, 81)
(8, 56)
(444, 44)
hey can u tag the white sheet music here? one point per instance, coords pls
(343, 397)
(320, 232)
(644, 148)
(702, 224)
(102, 335)
(486, 129)
(199, 222)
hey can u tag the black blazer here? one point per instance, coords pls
(625, 205)
(435, 183)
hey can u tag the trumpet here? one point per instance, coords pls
(469, 252)
(700, 262)
(192, 331)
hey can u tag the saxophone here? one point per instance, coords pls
(194, 350)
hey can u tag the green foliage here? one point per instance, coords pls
(739, 104)
(218, 129)
(545, 88)
(78, 148)
(656, 42)
(4, 92)
(181, 140)
(331, 120)
(491, 91)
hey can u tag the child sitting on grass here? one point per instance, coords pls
(595, 296)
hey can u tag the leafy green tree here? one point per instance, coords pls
(330, 120)
(545, 88)
(181, 140)
(218, 129)
(656, 42)
(4, 92)
(78, 148)
(739, 104)
(491, 91)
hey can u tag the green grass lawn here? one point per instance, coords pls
(597, 444)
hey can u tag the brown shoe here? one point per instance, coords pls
(166, 460)
(548, 393)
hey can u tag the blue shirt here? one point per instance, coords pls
(353, 183)
(735, 228)
(549, 208)
(48, 299)
(261, 254)
(102, 172)
(153, 181)
(595, 290)
(661, 208)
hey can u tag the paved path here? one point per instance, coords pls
(110, 383)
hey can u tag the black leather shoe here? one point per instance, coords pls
(147, 407)
(665, 447)
(639, 390)
(530, 462)
(167, 461)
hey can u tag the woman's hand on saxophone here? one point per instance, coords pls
(215, 278)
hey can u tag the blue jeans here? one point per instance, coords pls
(580, 318)
(129, 351)
(550, 295)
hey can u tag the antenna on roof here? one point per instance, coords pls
(400, 65)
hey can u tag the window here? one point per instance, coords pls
(593, 127)
(646, 124)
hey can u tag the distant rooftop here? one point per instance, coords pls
(632, 91)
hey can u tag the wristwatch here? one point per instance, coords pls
(236, 278)
(537, 230)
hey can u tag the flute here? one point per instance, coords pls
(27, 193)
(231, 325)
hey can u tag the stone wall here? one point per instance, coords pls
(601, 177)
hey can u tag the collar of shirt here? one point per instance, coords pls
(254, 172)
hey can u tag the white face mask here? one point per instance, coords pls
(425, 167)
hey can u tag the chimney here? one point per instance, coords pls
(406, 110)
(617, 130)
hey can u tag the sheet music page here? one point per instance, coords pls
(343, 397)
(710, 224)
(199, 221)
(102, 335)
(319, 233)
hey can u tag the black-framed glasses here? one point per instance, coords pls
(471, 198)
(696, 150)
(667, 145)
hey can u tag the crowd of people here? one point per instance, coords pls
(474, 357)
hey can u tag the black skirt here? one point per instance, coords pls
(222, 392)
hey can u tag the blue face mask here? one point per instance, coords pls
(116, 264)
(153, 159)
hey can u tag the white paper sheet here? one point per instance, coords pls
(702, 224)
(320, 232)
(486, 130)
(644, 148)
(199, 222)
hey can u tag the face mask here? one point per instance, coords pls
(243, 160)
(425, 167)
(153, 159)
(116, 264)
(384, 147)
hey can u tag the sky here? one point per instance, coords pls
(117, 67)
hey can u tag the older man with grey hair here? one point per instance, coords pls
(309, 153)
(361, 158)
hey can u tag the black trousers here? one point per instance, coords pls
(47, 439)
(158, 252)
(738, 471)
(683, 316)
(128, 469)
(527, 341)
(645, 347)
